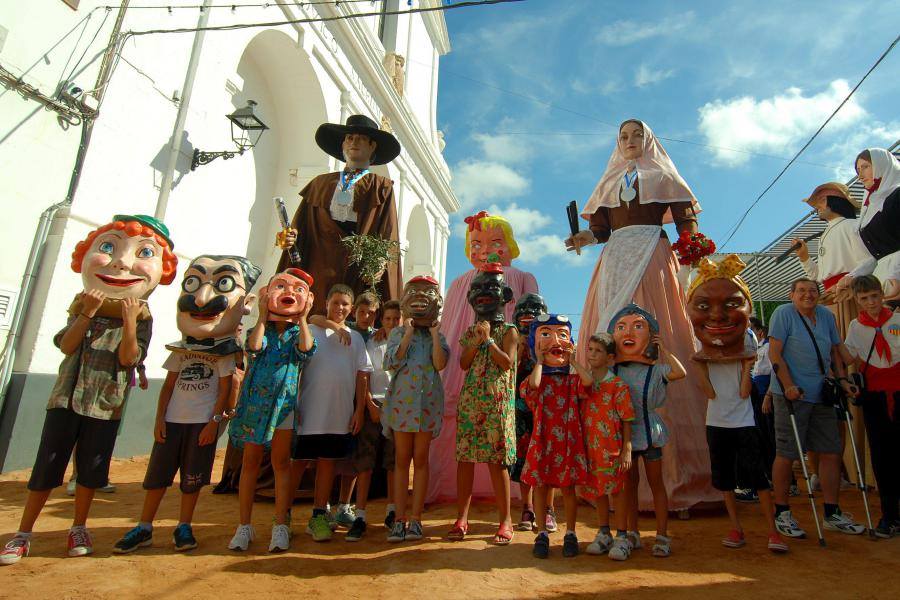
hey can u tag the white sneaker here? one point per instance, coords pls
(634, 538)
(281, 538)
(842, 522)
(109, 488)
(242, 538)
(600, 545)
(787, 526)
(621, 549)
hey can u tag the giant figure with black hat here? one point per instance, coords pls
(351, 201)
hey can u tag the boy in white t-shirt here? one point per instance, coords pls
(333, 393)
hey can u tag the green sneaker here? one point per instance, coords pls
(319, 529)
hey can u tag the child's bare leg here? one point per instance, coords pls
(324, 481)
(631, 496)
(188, 504)
(768, 509)
(620, 502)
(540, 507)
(298, 467)
(281, 465)
(252, 458)
(570, 502)
(603, 511)
(390, 486)
(83, 498)
(34, 504)
(363, 482)
(551, 498)
(731, 507)
(465, 477)
(660, 496)
(500, 479)
(347, 483)
(525, 492)
(403, 450)
(152, 499)
(422, 444)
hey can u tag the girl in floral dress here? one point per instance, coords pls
(485, 415)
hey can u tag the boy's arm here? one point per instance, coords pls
(165, 395)
(677, 369)
(746, 378)
(129, 352)
(305, 337)
(255, 339)
(534, 380)
(337, 328)
(625, 462)
(438, 348)
(704, 381)
(586, 377)
(362, 394)
(403, 347)
(74, 333)
(209, 433)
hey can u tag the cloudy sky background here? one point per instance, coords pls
(532, 93)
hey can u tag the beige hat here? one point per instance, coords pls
(834, 186)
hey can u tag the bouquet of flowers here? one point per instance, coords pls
(691, 247)
(371, 254)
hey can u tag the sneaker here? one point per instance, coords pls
(398, 532)
(389, 520)
(885, 529)
(570, 545)
(662, 547)
(414, 530)
(526, 522)
(787, 526)
(184, 538)
(814, 483)
(332, 522)
(357, 530)
(242, 538)
(134, 539)
(16, 549)
(748, 496)
(541, 545)
(109, 488)
(345, 516)
(634, 538)
(70, 487)
(621, 548)
(550, 523)
(601, 544)
(776, 544)
(281, 538)
(844, 523)
(80, 542)
(319, 528)
(734, 539)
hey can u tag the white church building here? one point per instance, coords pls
(170, 90)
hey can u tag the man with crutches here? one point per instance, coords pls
(805, 346)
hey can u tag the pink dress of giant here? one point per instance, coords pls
(456, 318)
(637, 265)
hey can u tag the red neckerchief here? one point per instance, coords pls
(881, 344)
(872, 189)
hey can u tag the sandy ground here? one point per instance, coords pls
(850, 567)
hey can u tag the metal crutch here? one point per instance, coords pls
(860, 482)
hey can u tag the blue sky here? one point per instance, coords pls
(759, 77)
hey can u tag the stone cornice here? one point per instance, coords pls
(436, 26)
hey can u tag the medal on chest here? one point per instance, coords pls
(342, 200)
(627, 193)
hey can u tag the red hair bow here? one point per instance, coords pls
(474, 222)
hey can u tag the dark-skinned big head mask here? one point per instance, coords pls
(528, 308)
(421, 301)
(488, 294)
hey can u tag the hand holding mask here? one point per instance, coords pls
(550, 341)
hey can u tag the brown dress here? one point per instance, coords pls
(319, 235)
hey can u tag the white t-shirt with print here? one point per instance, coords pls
(328, 383)
(380, 379)
(728, 409)
(197, 386)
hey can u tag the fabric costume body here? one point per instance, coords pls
(637, 265)
(457, 317)
(319, 234)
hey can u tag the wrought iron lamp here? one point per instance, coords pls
(246, 131)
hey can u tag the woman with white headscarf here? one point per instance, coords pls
(640, 190)
(879, 220)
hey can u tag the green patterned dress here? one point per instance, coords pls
(486, 412)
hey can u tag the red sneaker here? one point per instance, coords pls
(734, 539)
(80, 543)
(776, 544)
(16, 549)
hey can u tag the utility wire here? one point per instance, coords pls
(236, 5)
(740, 221)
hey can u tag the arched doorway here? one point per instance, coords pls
(417, 260)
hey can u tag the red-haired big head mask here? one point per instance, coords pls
(288, 294)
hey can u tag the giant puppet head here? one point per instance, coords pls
(719, 305)
(633, 329)
(552, 335)
(489, 239)
(489, 294)
(215, 296)
(421, 301)
(126, 258)
(288, 295)
(528, 307)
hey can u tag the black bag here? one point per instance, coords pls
(831, 390)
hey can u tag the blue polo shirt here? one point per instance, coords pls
(798, 351)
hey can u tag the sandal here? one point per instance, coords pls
(526, 522)
(663, 547)
(504, 535)
(459, 531)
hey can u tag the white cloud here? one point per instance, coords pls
(549, 249)
(777, 124)
(524, 221)
(477, 182)
(646, 76)
(865, 135)
(505, 149)
(623, 33)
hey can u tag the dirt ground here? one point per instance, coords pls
(700, 567)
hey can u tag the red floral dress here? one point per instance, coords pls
(555, 455)
(603, 411)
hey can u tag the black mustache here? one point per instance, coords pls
(188, 303)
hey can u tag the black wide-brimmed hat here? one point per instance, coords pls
(330, 138)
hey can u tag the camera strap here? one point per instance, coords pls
(815, 344)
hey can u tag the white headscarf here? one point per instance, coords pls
(885, 167)
(658, 177)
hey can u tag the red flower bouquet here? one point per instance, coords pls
(691, 247)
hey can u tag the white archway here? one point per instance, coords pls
(418, 259)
